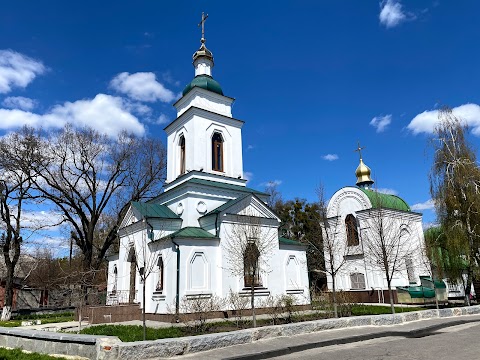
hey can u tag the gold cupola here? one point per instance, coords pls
(363, 172)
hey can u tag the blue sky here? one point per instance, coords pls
(310, 78)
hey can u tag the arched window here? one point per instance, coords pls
(115, 273)
(352, 231)
(159, 285)
(217, 152)
(358, 281)
(251, 270)
(182, 155)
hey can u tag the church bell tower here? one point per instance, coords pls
(204, 140)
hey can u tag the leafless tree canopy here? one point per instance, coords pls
(248, 246)
(19, 156)
(91, 178)
(389, 241)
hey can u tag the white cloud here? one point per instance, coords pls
(250, 147)
(381, 122)
(271, 183)
(47, 220)
(330, 157)
(391, 13)
(425, 122)
(162, 119)
(247, 175)
(387, 191)
(19, 102)
(141, 86)
(17, 70)
(138, 108)
(104, 113)
(427, 205)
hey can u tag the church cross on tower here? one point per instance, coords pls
(359, 150)
(202, 24)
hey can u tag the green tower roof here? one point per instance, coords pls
(205, 82)
(380, 200)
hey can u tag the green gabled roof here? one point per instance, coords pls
(222, 185)
(154, 210)
(226, 205)
(286, 241)
(388, 201)
(205, 82)
(191, 232)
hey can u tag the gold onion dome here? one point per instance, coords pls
(203, 52)
(363, 173)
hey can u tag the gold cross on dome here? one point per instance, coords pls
(202, 24)
(359, 150)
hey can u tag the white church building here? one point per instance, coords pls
(187, 241)
(359, 220)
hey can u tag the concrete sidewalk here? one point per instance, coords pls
(266, 349)
(69, 326)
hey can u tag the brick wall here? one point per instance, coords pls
(118, 313)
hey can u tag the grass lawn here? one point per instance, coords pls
(16, 354)
(46, 319)
(358, 310)
(129, 333)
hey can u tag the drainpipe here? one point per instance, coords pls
(216, 225)
(177, 295)
(151, 227)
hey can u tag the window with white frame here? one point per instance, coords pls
(160, 270)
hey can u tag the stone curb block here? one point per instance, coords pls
(111, 348)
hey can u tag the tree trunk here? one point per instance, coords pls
(390, 295)
(476, 287)
(80, 315)
(252, 303)
(467, 288)
(143, 312)
(435, 292)
(334, 298)
(8, 300)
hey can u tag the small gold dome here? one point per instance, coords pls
(203, 52)
(363, 174)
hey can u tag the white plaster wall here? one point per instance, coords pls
(205, 99)
(350, 200)
(274, 267)
(198, 128)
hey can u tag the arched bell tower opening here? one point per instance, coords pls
(217, 152)
(181, 145)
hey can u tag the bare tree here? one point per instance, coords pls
(19, 155)
(275, 197)
(90, 175)
(429, 256)
(389, 241)
(249, 244)
(335, 248)
(148, 260)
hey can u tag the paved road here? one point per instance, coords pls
(454, 338)
(456, 342)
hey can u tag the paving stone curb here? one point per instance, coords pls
(111, 348)
(165, 348)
